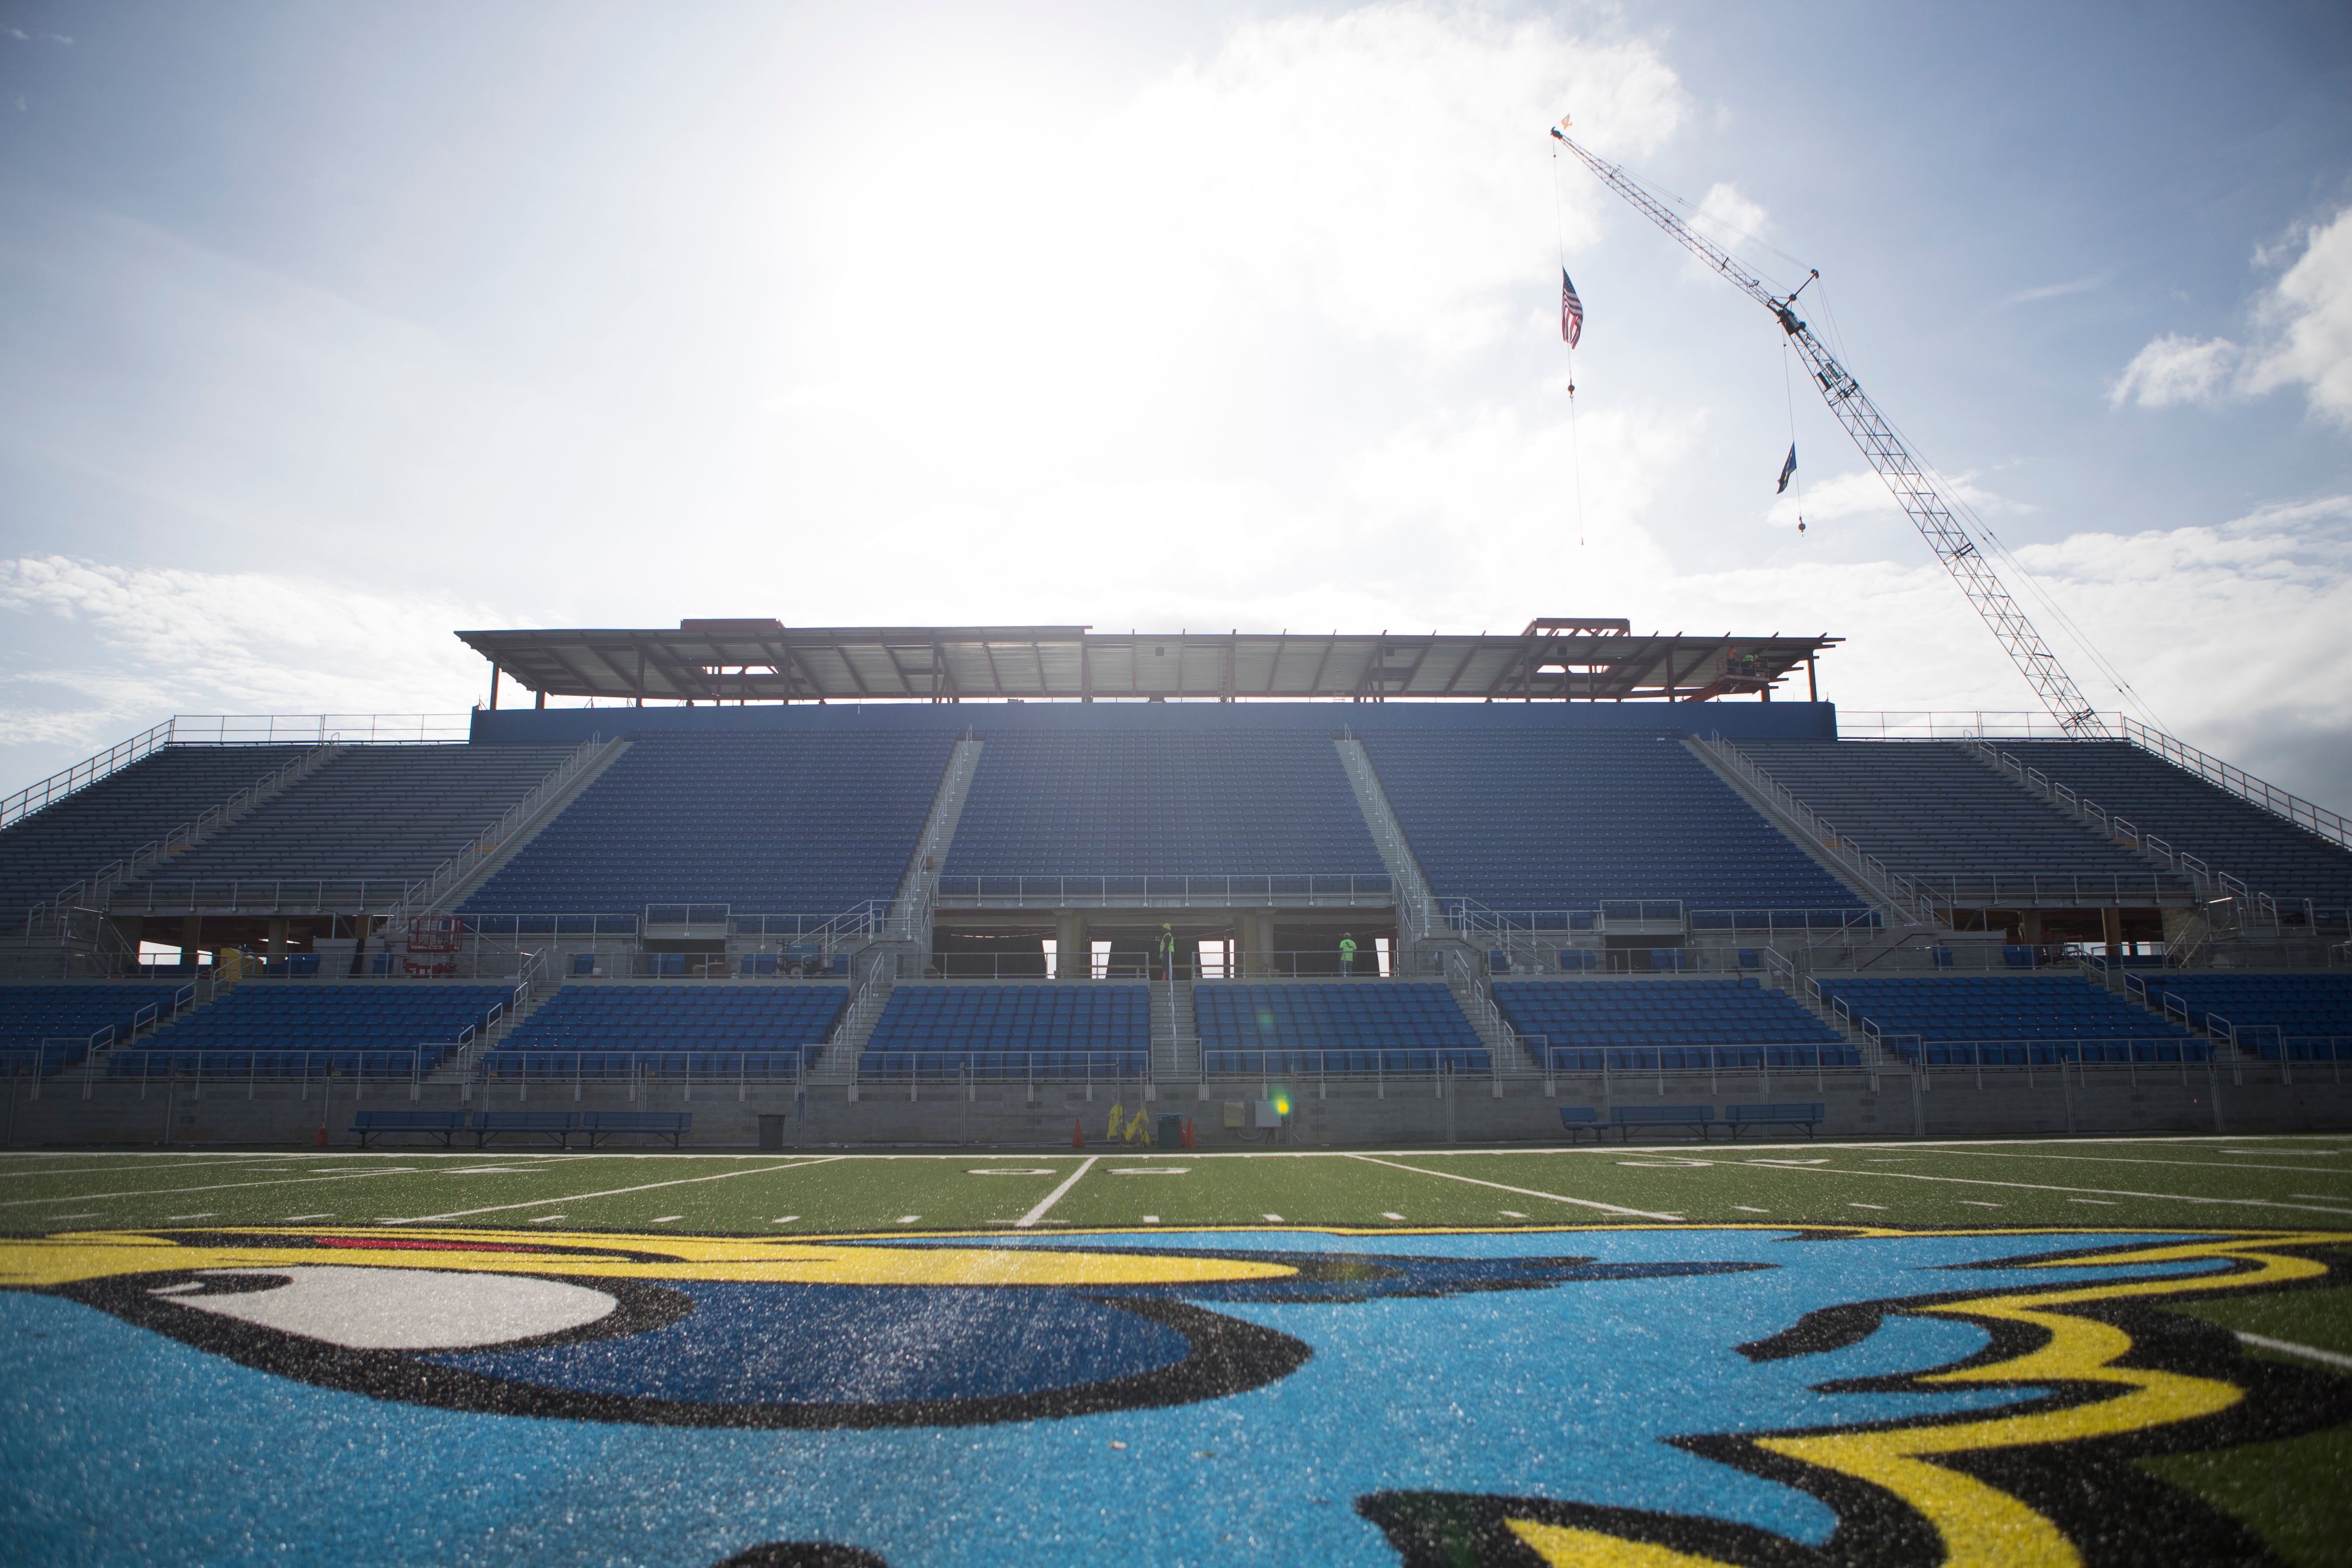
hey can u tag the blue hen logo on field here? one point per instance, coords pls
(1641, 1396)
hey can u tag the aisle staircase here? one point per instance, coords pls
(1175, 1031)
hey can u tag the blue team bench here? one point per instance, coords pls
(671, 1124)
(1576, 1118)
(559, 1125)
(441, 1124)
(1806, 1114)
(1625, 1118)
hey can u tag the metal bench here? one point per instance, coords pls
(1576, 1118)
(441, 1124)
(1698, 1118)
(671, 1124)
(559, 1125)
(1806, 1114)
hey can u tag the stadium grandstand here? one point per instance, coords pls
(940, 883)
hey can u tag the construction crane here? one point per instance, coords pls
(1904, 474)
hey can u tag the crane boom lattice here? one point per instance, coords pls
(1914, 489)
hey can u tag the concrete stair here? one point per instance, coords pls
(1175, 1031)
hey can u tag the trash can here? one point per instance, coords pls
(1171, 1134)
(771, 1133)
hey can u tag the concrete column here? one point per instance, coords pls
(2029, 924)
(191, 931)
(1257, 944)
(2111, 926)
(277, 944)
(1074, 952)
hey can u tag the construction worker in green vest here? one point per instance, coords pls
(1167, 950)
(1347, 952)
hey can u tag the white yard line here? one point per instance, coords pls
(1523, 1192)
(609, 1193)
(2308, 1352)
(216, 1187)
(2129, 1160)
(2040, 1187)
(1034, 1216)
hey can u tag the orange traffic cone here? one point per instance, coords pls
(1078, 1134)
(323, 1135)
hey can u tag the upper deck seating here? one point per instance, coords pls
(2268, 1012)
(1200, 802)
(1668, 1024)
(793, 823)
(2037, 1018)
(1567, 820)
(1345, 1026)
(620, 1031)
(1058, 1030)
(121, 813)
(389, 812)
(265, 1027)
(2266, 852)
(1929, 810)
(55, 1022)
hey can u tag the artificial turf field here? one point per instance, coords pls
(1650, 1356)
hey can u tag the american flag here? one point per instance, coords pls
(1572, 310)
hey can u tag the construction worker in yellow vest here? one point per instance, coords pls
(1347, 952)
(1167, 950)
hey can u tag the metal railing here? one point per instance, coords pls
(281, 729)
(556, 1067)
(1416, 904)
(1952, 724)
(1162, 892)
(84, 774)
(398, 897)
(1303, 963)
(2303, 814)
(93, 892)
(2204, 881)
(1911, 908)
(911, 910)
(423, 896)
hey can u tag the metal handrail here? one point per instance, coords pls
(84, 774)
(2313, 819)
(281, 729)
(1902, 901)
(93, 890)
(1159, 892)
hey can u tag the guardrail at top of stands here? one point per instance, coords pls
(318, 728)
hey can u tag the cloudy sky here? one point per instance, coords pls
(325, 330)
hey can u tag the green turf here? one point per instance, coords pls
(2293, 1493)
(2320, 1319)
(2120, 1182)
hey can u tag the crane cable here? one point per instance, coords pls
(1575, 449)
(1796, 474)
(1973, 524)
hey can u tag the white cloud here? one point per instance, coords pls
(2307, 316)
(1860, 492)
(1729, 219)
(188, 642)
(2174, 369)
(2085, 285)
(2304, 338)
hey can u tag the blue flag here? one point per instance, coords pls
(1788, 469)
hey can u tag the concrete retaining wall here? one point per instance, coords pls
(1340, 1113)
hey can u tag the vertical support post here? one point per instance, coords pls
(494, 686)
